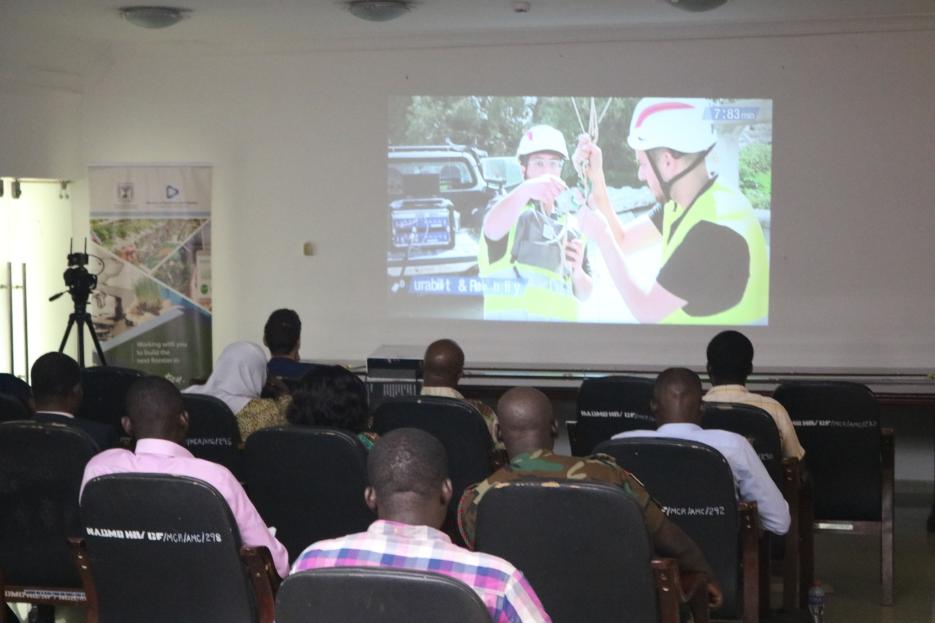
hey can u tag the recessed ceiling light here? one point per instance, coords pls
(378, 10)
(154, 16)
(696, 5)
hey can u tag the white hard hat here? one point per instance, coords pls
(676, 123)
(542, 138)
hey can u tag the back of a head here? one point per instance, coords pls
(525, 420)
(282, 331)
(330, 396)
(54, 376)
(153, 406)
(407, 461)
(442, 364)
(730, 357)
(677, 397)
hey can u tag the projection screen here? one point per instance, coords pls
(592, 210)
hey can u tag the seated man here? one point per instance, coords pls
(410, 491)
(282, 336)
(528, 428)
(677, 406)
(158, 421)
(442, 368)
(730, 362)
(57, 391)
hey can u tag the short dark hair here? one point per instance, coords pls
(54, 375)
(282, 331)
(730, 356)
(676, 377)
(407, 460)
(330, 396)
(152, 401)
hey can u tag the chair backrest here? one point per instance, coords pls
(460, 428)
(41, 466)
(105, 393)
(164, 548)
(753, 423)
(609, 405)
(583, 547)
(695, 487)
(14, 386)
(308, 482)
(213, 434)
(374, 594)
(838, 425)
(11, 408)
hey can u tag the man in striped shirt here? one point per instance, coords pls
(410, 492)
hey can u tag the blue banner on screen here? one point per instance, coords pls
(651, 210)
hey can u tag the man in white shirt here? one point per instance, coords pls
(677, 406)
(730, 362)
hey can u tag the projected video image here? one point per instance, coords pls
(589, 209)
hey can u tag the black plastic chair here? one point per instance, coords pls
(105, 393)
(761, 431)
(166, 548)
(377, 595)
(11, 409)
(460, 428)
(850, 461)
(41, 466)
(695, 486)
(213, 434)
(609, 405)
(589, 556)
(12, 385)
(308, 482)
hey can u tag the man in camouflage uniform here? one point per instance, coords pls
(527, 427)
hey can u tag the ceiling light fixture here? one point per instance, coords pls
(154, 16)
(696, 6)
(378, 10)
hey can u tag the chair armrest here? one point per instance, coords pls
(571, 427)
(675, 588)
(79, 553)
(265, 580)
(750, 559)
(792, 491)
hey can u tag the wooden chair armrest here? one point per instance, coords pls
(571, 427)
(750, 559)
(675, 588)
(79, 553)
(264, 578)
(792, 491)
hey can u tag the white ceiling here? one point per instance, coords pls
(68, 36)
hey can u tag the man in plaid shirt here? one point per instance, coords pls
(410, 491)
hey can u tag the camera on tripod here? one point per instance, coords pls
(77, 278)
(80, 283)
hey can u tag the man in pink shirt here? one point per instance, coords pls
(158, 421)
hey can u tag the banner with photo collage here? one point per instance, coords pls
(151, 230)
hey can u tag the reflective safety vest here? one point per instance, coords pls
(725, 206)
(515, 290)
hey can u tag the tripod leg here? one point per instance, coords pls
(95, 340)
(80, 341)
(71, 321)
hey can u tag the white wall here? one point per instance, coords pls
(298, 145)
(39, 131)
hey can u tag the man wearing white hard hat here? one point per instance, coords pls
(714, 260)
(534, 265)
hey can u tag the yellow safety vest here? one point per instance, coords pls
(520, 291)
(722, 205)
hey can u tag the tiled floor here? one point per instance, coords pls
(850, 565)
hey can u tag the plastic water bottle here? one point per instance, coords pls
(816, 602)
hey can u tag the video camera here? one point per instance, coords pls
(77, 278)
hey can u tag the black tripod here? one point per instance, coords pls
(82, 318)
